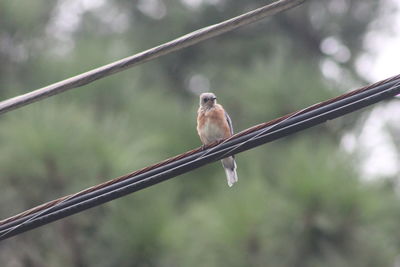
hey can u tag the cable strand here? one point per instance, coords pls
(256, 135)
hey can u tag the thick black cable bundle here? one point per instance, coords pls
(243, 141)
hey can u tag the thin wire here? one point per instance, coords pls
(160, 164)
(266, 130)
(36, 216)
(196, 159)
(269, 128)
(200, 157)
(287, 118)
(150, 54)
(207, 152)
(170, 170)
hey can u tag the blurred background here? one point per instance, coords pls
(327, 196)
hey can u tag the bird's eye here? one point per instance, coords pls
(205, 100)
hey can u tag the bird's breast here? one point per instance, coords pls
(213, 130)
(212, 126)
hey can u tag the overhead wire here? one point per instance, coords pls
(150, 54)
(188, 161)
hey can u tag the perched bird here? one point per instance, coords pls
(213, 124)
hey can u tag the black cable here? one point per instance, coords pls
(300, 121)
(194, 156)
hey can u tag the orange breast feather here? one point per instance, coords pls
(212, 125)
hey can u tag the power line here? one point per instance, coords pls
(150, 54)
(186, 162)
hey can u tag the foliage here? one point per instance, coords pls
(300, 201)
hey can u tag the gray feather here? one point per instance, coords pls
(228, 119)
(229, 165)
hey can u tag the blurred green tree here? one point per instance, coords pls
(299, 202)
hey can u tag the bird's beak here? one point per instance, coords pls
(213, 98)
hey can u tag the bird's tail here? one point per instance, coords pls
(229, 165)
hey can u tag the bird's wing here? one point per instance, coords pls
(228, 119)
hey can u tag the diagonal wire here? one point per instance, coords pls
(244, 140)
(150, 54)
(140, 171)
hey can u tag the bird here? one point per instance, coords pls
(214, 124)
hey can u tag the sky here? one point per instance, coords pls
(380, 63)
(384, 47)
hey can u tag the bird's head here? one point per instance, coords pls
(207, 100)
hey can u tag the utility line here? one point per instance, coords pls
(186, 162)
(150, 54)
